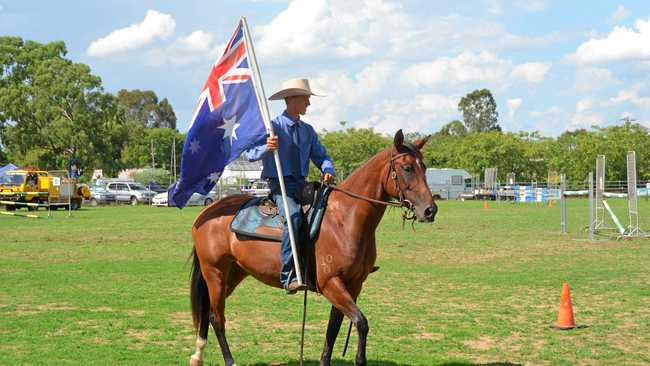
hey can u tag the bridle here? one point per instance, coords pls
(408, 213)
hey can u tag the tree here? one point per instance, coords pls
(479, 111)
(53, 110)
(351, 148)
(143, 107)
(148, 175)
(453, 128)
(137, 152)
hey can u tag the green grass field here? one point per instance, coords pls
(109, 286)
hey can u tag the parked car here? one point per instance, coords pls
(100, 196)
(130, 192)
(195, 200)
(257, 189)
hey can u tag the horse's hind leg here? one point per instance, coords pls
(344, 301)
(216, 279)
(201, 339)
(333, 327)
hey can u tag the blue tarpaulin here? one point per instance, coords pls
(7, 168)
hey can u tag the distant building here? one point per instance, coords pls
(447, 183)
(241, 169)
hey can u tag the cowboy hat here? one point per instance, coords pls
(292, 88)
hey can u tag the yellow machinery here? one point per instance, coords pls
(39, 188)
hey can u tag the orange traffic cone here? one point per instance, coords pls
(550, 203)
(485, 204)
(565, 314)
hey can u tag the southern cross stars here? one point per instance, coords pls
(228, 125)
(194, 146)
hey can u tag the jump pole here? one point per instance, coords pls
(563, 215)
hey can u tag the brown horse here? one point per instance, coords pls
(345, 249)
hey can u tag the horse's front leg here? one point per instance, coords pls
(333, 327)
(343, 300)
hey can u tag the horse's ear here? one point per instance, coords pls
(420, 142)
(399, 138)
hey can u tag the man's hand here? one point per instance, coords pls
(272, 143)
(328, 178)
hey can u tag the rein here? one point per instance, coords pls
(408, 214)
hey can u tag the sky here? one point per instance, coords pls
(551, 66)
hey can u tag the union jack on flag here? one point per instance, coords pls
(227, 120)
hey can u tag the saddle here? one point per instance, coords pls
(260, 216)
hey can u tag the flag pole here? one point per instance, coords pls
(266, 116)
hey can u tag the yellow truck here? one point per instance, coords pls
(34, 187)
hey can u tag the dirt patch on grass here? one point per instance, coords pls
(481, 344)
(138, 313)
(104, 309)
(31, 309)
(430, 336)
(97, 340)
(183, 319)
(141, 334)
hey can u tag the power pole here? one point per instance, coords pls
(173, 162)
(153, 159)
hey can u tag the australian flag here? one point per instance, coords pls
(227, 121)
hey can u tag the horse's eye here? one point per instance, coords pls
(408, 168)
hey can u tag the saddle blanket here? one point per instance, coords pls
(260, 218)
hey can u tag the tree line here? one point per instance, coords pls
(53, 111)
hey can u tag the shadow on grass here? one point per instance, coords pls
(389, 363)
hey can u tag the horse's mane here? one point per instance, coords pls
(406, 147)
(381, 155)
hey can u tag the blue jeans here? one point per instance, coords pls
(287, 271)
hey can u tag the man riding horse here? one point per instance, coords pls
(297, 143)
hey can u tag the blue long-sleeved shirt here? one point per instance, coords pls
(309, 148)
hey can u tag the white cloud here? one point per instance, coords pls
(531, 5)
(632, 96)
(353, 29)
(466, 67)
(621, 44)
(495, 7)
(423, 113)
(585, 116)
(533, 72)
(197, 41)
(619, 14)
(626, 115)
(513, 105)
(551, 111)
(380, 29)
(584, 104)
(345, 92)
(155, 25)
(586, 119)
(196, 47)
(470, 67)
(589, 79)
(388, 109)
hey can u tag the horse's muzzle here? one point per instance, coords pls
(430, 213)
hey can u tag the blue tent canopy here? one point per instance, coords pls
(7, 168)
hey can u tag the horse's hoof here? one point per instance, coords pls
(195, 361)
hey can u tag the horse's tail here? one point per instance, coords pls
(198, 293)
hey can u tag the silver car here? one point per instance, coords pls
(130, 192)
(195, 200)
(99, 196)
